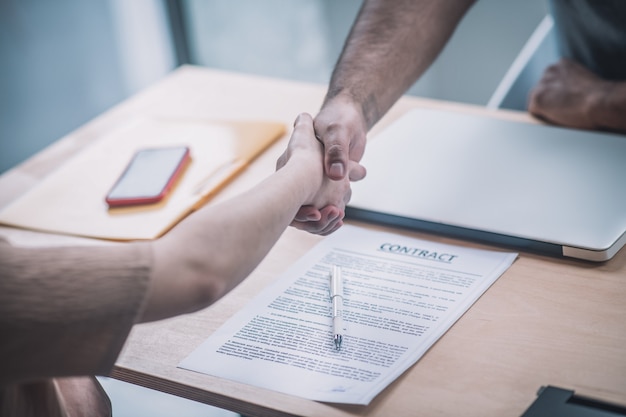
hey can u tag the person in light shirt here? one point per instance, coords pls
(65, 312)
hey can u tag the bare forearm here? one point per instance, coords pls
(238, 233)
(390, 45)
(215, 248)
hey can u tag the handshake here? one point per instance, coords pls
(336, 138)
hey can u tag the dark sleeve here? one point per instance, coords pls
(68, 310)
(593, 33)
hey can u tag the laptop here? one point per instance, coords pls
(532, 187)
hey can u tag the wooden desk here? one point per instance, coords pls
(545, 321)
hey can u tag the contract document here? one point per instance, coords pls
(400, 295)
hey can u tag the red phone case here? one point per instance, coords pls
(148, 199)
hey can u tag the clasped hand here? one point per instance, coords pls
(324, 212)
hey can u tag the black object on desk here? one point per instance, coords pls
(557, 402)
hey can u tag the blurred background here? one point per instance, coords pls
(65, 62)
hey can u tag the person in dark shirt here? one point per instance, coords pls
(392, 43)
(587, 88)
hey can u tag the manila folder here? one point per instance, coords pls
(71, 200)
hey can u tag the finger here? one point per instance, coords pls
(337, 227)
(308, 214)
(303, 119)
(311, 227)
(332, 215)
(329, 217)
(334, 229)
(303, 127)
(332, 226)
(357, 171)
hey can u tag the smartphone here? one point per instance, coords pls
(149, 176)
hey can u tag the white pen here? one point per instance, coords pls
(336, 296)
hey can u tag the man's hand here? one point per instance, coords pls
(341, 127)
(567, 95)
(324, 213)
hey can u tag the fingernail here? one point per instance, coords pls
(336, 169)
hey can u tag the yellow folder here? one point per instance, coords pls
(71, 200)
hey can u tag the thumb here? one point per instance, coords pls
(336, 145)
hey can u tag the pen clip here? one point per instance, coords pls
(336, 282)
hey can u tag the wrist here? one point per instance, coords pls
(365, 108)
(607, 106)
(305, 173)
